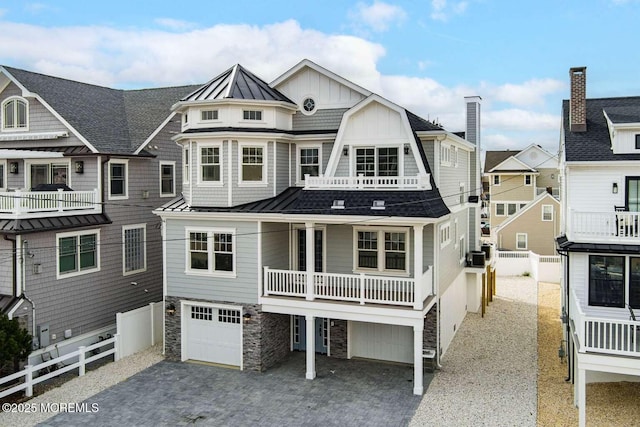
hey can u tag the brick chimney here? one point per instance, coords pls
(578, 102)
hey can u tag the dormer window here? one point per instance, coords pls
(15, 114)
(252, 115)
(378, 205)
(208, 115)
(338, 204)
(377, 161)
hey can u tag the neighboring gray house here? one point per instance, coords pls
(600, 244)
(320, 217)
(81, 169)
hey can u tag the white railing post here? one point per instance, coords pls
(362, 279)
(17, 202)
(60, 200)
(267, 280)
(116, 347)
(152, 319)
(310, 259)
(81, 358)
(28, 379)
(418, 298)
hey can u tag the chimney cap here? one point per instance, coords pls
(577, 70)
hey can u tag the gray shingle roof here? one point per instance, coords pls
(594, 145)
(237, 83)
(419, 124)
(321, 120)
(494, 158)
(114, 121)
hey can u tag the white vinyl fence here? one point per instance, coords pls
(542, 268)
(139, 329)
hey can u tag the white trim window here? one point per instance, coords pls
(42, 173)
(211, 251)
(3, 174)
(521, 241)
(547, 212)
(253, 115)
(118, 179)
(15, 114)
(462, 250)
(208, 115)
(253, 163)
(309, 161)
(496, 180)
(77, 253)
(463, 194)
(445, 155)
(134, 249)
(210, 165)
(527, 180)
(381, 250)
(500, 209)
(377, 161)
(445, 234)
(186, 171)
(167, 179)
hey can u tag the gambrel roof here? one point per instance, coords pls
(113, 121)
(594, 145)
(237, 83)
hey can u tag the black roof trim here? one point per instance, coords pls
(565, 245)
(256, 130)
(38, 225)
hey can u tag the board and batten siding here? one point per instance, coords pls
(591, 187)
(240, 289)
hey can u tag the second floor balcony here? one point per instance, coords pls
(361, 182)
(604, 227)
(35, 204)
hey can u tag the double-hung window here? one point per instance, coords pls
(78, 253)
(210, 167)
(521, 241)
(496, 179)
(309, 160)
(134, 251)
(382, 161)
(527, 180)
(15, 114)
(167, 179)
(118, 186)
(253, 164)
(211, 251)
(547, 212)
(381, 250)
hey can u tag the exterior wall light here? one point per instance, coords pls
(614, 188)
(345, 151)
(79, 165)
(13, 167)
(246, 317)
(171, 309)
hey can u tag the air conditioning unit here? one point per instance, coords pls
(475, 259)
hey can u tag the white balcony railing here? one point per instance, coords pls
(360, 288)
(418, 182)
(601, 335)
(31, 204)
(604, 227)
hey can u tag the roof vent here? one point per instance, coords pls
(338, 204)
(378, 204)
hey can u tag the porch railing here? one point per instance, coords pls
(27, 204)
(360, 182)
(601, 335)
(605, 226)
(361, 288)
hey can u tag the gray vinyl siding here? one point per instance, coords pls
(339, 249)
(275, 245)
(343, 165)
(449, 260)
(206, 195)
(321, 120)
(427, 241)
(6, 268)
(241, 289)
(246, 194)
(410, 165)
(327, 148)
(451, 177)
(282, 171)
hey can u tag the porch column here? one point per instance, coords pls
(310, 259)
(418, 371)
(418, 267)
(582, 397)
(311, 349)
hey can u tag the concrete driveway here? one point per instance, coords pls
(345, 393)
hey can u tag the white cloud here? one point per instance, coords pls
(441, 10)
(175, 24)
(522, 120)
(531, 92)
(378, 16)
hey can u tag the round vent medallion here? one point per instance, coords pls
(309, 105)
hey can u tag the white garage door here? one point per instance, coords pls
(382, 342)
(212, 335)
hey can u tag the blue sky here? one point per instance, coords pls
(423, 55)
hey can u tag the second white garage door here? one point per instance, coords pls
(212, 334)
(382, 342)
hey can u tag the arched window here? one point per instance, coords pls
(15, 114)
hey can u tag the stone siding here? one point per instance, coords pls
(338, 338)
(430, 333)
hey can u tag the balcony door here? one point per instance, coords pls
(318, 249)
(632, 194)
(300, 334)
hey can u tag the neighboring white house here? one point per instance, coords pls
(317, 216)
(600, 164)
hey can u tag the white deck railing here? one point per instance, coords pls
(418, 182)
(57, 366)
(601, 335)
(605, 227)
(360, 288)
(29, 204)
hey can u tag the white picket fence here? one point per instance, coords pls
(139, 329)
(58, 366)
(542, 268)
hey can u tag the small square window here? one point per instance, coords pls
(500, 209)
(209, 115)
(252, 115)
(638, 141)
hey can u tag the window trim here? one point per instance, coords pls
(142, 226)
(444, 234)
(637, 141)
(215, 112)
(265, 169)
(126, 179)
(251, 110)
(220, 163)
(526, 241)
(495, 178)
(299, 148)
(376, 156)
(462, 250)
(504, 209)
(551, 213)
(186, 164)
(3, 174)
(625, 275)
(210, 272)
(14, 99)
(77, 234)
(173, 178)
(530, 180)
(381, 251)
(49, 163)
(445, 154)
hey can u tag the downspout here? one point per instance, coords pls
(565, 315)
(19, 287)
(437, 289)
